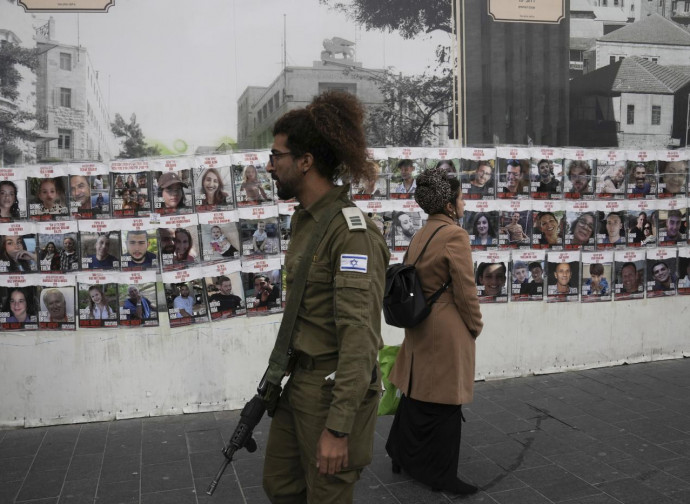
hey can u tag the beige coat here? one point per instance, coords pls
(436, 360)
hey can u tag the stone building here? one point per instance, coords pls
(70, 105)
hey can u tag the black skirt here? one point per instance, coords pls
(424, 440)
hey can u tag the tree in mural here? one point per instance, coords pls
(15, 124)
(411, 103)
(133, 143)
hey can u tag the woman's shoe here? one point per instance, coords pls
(395, 467)
(460, 487)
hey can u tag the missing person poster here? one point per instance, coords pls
(259, 232)
(597, 276)
(513, 172)
(527, 275)
(549, 225)
(18, 302)
(612, 224)
(491, 275)
(58, 245)
(100, 244)
(642, 174)
(172, 186)
(562, 277)
(377, 188)
(478, 173)
(131, 186)
(224, 290)
(629, 274)
(253, 184)
(405, 164)
(662, 272)
(546, 173)
(89, 189)
(580, 225)
(18, 247)
(57, 302)
(579, 167)
(673, 222)
(481, 223)
(286, 210)
(643, 215)
(97, 294)
(139, 244)
(220, 236)
(178, 241)
(611, 174)
(673, 173)
(13, 198)
(213, 187)
(514, 224)
(48, 192)
(380, 211)
(185, 296)
(138, 298)
(684, 270)
(262, 283)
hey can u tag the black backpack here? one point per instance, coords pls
(403, 299)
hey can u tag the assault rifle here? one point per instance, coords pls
(251, 415)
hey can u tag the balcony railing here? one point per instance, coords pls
(46, 151)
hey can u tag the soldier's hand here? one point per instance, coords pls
(331, 453)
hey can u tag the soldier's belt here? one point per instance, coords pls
(310, 363)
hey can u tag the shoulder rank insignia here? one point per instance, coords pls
(354, 218)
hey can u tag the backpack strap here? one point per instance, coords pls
(443, 287)
(426, 245)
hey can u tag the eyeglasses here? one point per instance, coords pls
(273, 156)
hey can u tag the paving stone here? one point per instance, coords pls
(41, 485)
(167, 476)
(159, 451)
(204, 440)
(127, 468)
(512, 455)
(631, 491)
(488, 476)
(79, 491)
(13, 469)
(555, 483)
(639, 448)
(587, 468)
(120, 492)
(520, 496)
(9, 490)
(21, 443)
(85, 467)
(179, 496)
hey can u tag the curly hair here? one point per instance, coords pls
(331, 129)
(435, 189)
(14, 209)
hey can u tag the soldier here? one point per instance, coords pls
(324, 421)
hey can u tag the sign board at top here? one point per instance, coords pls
(527, 11)
(66, 5)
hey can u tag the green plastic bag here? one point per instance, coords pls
(391, 395)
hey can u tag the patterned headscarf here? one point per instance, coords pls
(433, 190)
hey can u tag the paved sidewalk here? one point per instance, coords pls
(604, 436)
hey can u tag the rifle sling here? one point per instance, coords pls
(278, 362)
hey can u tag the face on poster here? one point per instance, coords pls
(578, 180)
(213, 189)
(100, 251)
(260, 237)
(18, 253)
(562, 281)
(641, 179)
(48, 198)
(513, 178)
(89, 196)
(253, 185)
(57, 307)
(662, 278)
(405, 226)
(548, 229)
(59, 252)
(673, 227)
(546, 178)
(610, 179)
(179, 247)
(527, 280)
(673, 176)
(186, 302)
(225, 296)
(596, 279)
(98, 305)
(611, 231)
(451, 167)
(377, 188)
(12, 200)
(263, 293)
(404, 177)
(172, 193)
(19, 308)
(514, 228)
(580, 230)
(131, 194)
(630, 279)
(491, 281)
(138, 304)
(478, 181)
(220, 242)
(482, 228)
(139, 250)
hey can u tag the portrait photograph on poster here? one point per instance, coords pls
(562, 277)
(514, 224)
(220, 242)
(260, 237)
(213, 189)
(513, 178)
(527, 276)
(673, 227)
(610, 179)
(662, 272)
(642, 179)
(172, 192)
(597, 279)
(19, 308)
(131, 194)
(253, 185)
(611, 231)
(371, 189)
(18, 252)
(98, 304)
(548, 229)
(13, 205)
(225, 295)
(491, 275)
(57, 308)
(405, 226)
(179, 247)
(477, 178)
(578, 181)
(482, 226)
(262, 291)
(580, 228)
(629, 268)
(546, 178)
(139, 249)
(138, 303)
(59, 252)
(684, 271)
(89, 196)
(673, 179)
(403, 177)
(100, 250)
(49, 198)
(186, 302)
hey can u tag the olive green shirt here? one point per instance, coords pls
(340, 314)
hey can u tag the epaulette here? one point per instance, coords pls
(354, 218)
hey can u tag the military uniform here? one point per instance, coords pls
(335, 383)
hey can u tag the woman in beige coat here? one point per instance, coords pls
(435, 366)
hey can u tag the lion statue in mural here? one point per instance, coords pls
(337, 45)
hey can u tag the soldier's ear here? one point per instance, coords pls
(305, 162)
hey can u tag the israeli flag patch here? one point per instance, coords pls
(353, 262)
